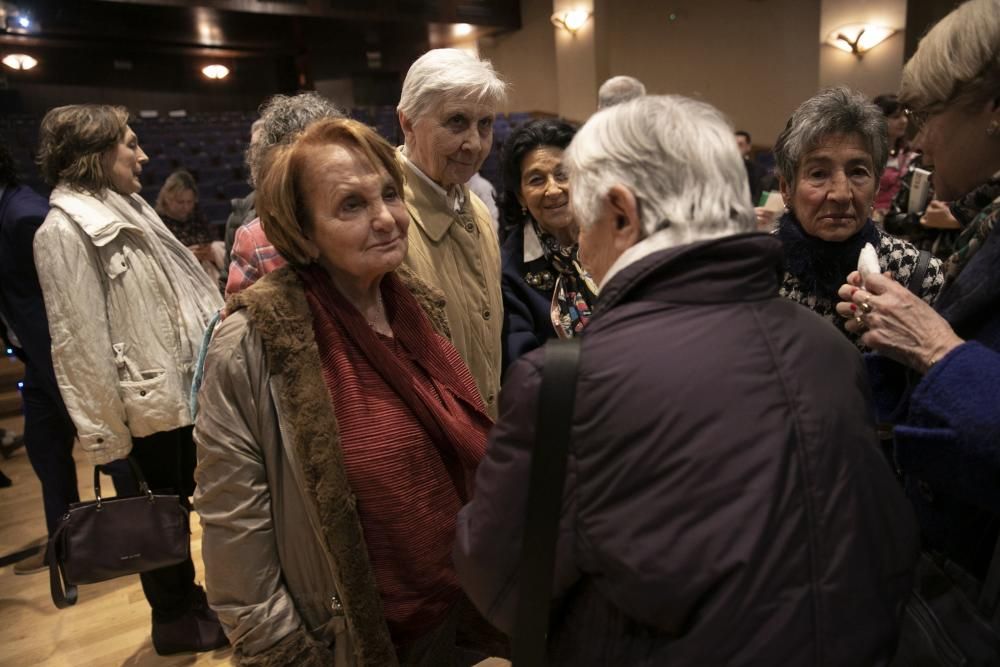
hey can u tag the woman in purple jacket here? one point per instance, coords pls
(726, 501)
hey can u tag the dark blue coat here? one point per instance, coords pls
(527, 319)
(947, 436)
(22, 212)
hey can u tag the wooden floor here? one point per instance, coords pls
(111, 622)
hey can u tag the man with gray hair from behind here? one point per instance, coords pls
(619, 89)
(726, 501)
(282, 118)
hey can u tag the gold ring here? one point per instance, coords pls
(857, 320)
(867, 307)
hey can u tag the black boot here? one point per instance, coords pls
(196, 631)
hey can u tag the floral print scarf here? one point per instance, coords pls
(574, 291)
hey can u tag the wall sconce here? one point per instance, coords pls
(859, 38)
(19, 61)
(215, 71)
(571, 21)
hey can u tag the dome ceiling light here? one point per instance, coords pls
(215, 72)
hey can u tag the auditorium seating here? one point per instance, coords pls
(211, 145)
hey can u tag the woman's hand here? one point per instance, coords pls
(765, 218)
(895, 322)
(938, 216)
(202, 252)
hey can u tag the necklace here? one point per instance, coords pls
(378, 304)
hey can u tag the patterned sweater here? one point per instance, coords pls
(894, 255)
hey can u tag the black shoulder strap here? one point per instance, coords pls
(916, 281)
(545, 494)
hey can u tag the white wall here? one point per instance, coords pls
(527, 59)
(880, 69)
(755, 60)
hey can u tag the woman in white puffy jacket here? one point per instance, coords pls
(127, 305)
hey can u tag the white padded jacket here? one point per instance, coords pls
(127, 304)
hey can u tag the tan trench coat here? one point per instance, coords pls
(458, 252)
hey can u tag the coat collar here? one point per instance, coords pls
(744, 267)
(277, 308)
(428, 207)
(975, 291)
(91, 214)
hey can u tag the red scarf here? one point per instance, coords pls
(453, 416)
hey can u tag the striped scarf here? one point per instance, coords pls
(452, 415)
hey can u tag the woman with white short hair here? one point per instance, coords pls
(446, 110)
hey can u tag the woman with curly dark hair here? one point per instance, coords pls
(545, 291)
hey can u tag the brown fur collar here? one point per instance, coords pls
(297, 649)
(277, 307)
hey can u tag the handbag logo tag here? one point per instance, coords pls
(130, 556)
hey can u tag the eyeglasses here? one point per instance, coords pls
(918, 118)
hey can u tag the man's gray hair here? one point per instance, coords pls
(676, 155)
(282, 117)
(827, 113)
(443, 73)
(619, 89)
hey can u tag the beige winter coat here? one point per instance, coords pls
(286, 565)
(458, 252)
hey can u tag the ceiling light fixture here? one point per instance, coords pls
(19, 61)
(572, 20)
(215, 71)
(461, 30)
(859, 38)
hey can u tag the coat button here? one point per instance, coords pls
(486, 314)
(469, 227)
(100, 440)
(142, 392)
(924, 489)
(490, 399)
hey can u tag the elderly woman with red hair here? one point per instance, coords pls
(339, 428)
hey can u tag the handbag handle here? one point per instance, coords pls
(545, 493)
(62, 596)
(140, 479)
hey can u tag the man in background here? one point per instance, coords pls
(753, 170)
(619, 89)
(48, 430)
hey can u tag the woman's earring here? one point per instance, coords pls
(994, 128)
(524, 211)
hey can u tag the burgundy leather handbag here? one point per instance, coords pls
(108, 538)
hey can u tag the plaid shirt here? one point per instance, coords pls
(252, 257)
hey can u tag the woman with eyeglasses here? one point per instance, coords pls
(937, 375)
